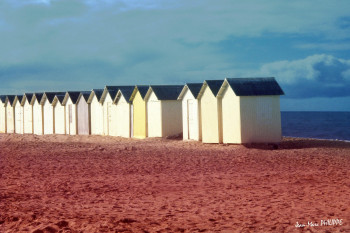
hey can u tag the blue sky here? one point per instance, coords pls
(59, 45)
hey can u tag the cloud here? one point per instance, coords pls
(319, 75)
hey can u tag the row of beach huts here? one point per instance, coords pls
(233, 110)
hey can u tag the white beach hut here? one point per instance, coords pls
(2, 114)
(10, 113)
(83, 113)
(109, 110)
(123, 113)
(191, 124)
(96, 112)
(48, 111)
(18, 114)
(164, 110)
(27, 113)
(77, 112)
(211, 111)
(59, 112)
(251, 110)
(38, 123)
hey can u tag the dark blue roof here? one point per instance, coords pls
(127, 91)
(11, 98)
(86, 95)
(255, 86)
(214, 85)
(29, 96)
(113, 90)
(167, 92)
(3, 98)
(74, 95)
(51, 95)
(39, 96)
(20, 97)
(143, 90)
(194, 88)
(98, 93)
(60, 97)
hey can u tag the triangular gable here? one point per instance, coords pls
(10, 99)
(28, 97)
(18, 99)
(37, 97)
(126, 92)
(95, 92)
(73, 95)
(194, 88)
(3, 98)
(254, 86)
(58, 98)
(142, 89)
(213, 85)
(51, 95)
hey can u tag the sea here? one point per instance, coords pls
(319, 125)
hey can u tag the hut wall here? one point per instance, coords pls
(231, 117)
(18, 118)
(96, 117)
(48, 117)
(27, 118)
(37, 118)
(83, 117)
(171, 117)
(71, 121)
(210, 117)
(2, 117)
(139, 117)
(60, 117)
(260, 119)
(123, 117)
(154, 116)
(190, 117)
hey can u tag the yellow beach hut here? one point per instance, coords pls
(18, 114)
(27, 113)
(38, 123)
(96, 111)
(211, 111)
(191, 117)
(123, 112)
(10, 113)
(251, 110)
(139, 111)
(2, 114)
(164, 110)
(59, 112)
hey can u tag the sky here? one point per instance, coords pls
(60, 45)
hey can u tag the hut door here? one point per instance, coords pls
(191, 120)
(70, 117)
(109, 117)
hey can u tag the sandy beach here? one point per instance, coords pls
(108, 184)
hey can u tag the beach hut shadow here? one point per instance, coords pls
(290, 144)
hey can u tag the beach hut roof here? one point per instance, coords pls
(58, 98)
(86, 95)
(18, 99)
(3, 98)
(140, 88)
(73, 95)
(253, 86)
(111, 90)
(214, 86)
(194, 88)
(10, 99)
(165, 92)
(38, 97)
(126, 91)
(50, 96)
(95, 92)
(27, 96)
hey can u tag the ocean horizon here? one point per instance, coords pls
(316, 124)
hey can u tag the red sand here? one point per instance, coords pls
(105, 184)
